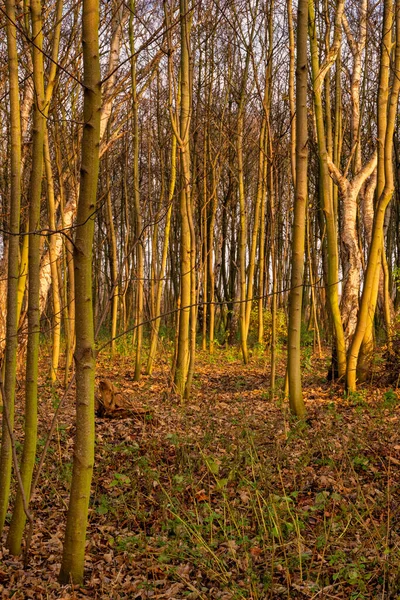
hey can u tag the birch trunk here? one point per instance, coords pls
(387, 112)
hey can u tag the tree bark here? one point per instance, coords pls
(13, 267)
(18, 520)
(387, 112)
(296, 401)
(72, 566)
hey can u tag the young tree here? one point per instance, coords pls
(13, 266)
(299, 219)
(319, 73)
(72, 565)
(184, 349)
(41, 109)
(136, 201)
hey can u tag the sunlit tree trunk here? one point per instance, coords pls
(167, 229)
(136, 202)
(299, 224)
(161, 274)
(261, 252)
(211, 253)
(72, 566)
(319, 73)
(352, 266)
(32, 358)
(387, 112)
(113, 259)
(274, 299)
(183, 349)
(242, 235)
(51, 210)
(292, 100)
(13, 266)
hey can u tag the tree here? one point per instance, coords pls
(299, 224)
(319, 73)
(72, 566)
(387, 103)
(184, 352)
(13, 262)
(41, 109)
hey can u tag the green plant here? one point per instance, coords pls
(357, 398)
(361, 462)
(281, 326)
(390, 399)
(103, 506)
(396, 276)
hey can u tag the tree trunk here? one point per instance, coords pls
(387, 112)
(299, 223)
(72, 566)
(13, 267)
(183, 350)
(319, 73)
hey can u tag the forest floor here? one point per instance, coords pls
(227, 496)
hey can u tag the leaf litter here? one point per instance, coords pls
(224, 497)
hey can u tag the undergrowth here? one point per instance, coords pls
(228, 497)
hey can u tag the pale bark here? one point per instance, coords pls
(56, 316)
(352, 260)
(66, 220)
(65, 225)
(118, 19)
(357, 48)
(387, 112)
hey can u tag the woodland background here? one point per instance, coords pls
(199, 218)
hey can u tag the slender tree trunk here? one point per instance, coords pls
(261, 254)
(136, 202)
(112, 241)
(292, 105)
(160, 285)
(13, 266)
(319, 73)
(32, 358)
(69, 287)
(211, 253)
(299, 225)
(272, 199)
(56, 317)
(242, 239)
(317, 339)
(72, 565)
(183, 350)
